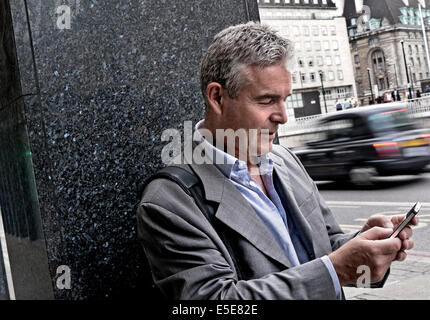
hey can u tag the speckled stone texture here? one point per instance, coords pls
(102, 94)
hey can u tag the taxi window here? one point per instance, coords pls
(340, 129)
(393, 120)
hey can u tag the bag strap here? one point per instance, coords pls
(192, 186)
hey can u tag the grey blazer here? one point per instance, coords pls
(189, 261)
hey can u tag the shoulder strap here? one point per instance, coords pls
(192, 185)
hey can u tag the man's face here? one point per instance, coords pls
(260, 104)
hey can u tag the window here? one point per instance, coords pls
(315, 1)
(294, 77)
(295, 101)
(315, 31)
(409, 49)
(328, 60)
(322, 76)
(419, 62)
(312, 76)
(358, 71)
(310, 62)
(324, 2)
(300, 62)
(320, 61)
(421, 76)
(298, 46)
(337, 60)
(327, 94)
(286, 30)
(324, 30)
(339, 75)
(378, 61)
(331, 75)
(326, 45)
(335, 45)
(296, 1)
(317, 45)
(305, 30)
(341, 92)
(308, 46)
(373, 41)
(357, 59)
(333, 30)
(382, 84)
(296, 31)
(411, 60)
(353, 21)
(303, 77)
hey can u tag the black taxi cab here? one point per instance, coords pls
(360, 143)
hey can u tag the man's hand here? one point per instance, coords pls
(392, 222)
(370, 248)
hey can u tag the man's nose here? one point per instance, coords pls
(281, 115)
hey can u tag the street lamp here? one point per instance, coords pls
(323, 91)
(370, 82)
(412, 79)
(406, 67)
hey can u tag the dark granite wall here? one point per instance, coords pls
(97, 98)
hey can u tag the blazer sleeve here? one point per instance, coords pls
(189, 261)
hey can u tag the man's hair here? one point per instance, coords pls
(235, 48)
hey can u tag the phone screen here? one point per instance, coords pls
(412, 213)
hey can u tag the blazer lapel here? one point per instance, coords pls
(235, 212)
(284, 178)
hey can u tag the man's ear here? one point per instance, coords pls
(214, 92)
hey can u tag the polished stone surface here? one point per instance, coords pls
(105, 90)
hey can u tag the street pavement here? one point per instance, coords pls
(408, 280)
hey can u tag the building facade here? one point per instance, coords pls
(322, 68)
(388, 46)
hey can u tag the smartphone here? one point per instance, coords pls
(412, 213)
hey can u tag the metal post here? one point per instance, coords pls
(322, 85)
(406, 67)
(370, 82)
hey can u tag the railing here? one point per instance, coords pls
(418, 108)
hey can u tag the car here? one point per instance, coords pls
(361, 143)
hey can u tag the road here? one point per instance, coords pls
(352, 205)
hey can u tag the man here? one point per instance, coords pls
(338, 105)
(395, 95)
(287, 244)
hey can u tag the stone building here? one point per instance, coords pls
(322, 55)
(377, 29)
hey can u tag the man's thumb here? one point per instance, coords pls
(377, 233)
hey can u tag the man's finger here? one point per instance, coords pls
(376, 233)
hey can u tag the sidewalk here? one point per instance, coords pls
(408, 280)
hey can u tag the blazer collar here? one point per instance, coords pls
(235, 212)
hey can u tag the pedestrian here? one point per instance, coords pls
(418, 93)
(347, 104)
(338, 105)
(388, 97)
(395, 95)
(270, 235)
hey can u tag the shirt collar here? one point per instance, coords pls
(230, 163)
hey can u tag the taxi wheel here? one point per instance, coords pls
(362, 175)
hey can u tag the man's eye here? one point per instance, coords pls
(266, 101)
